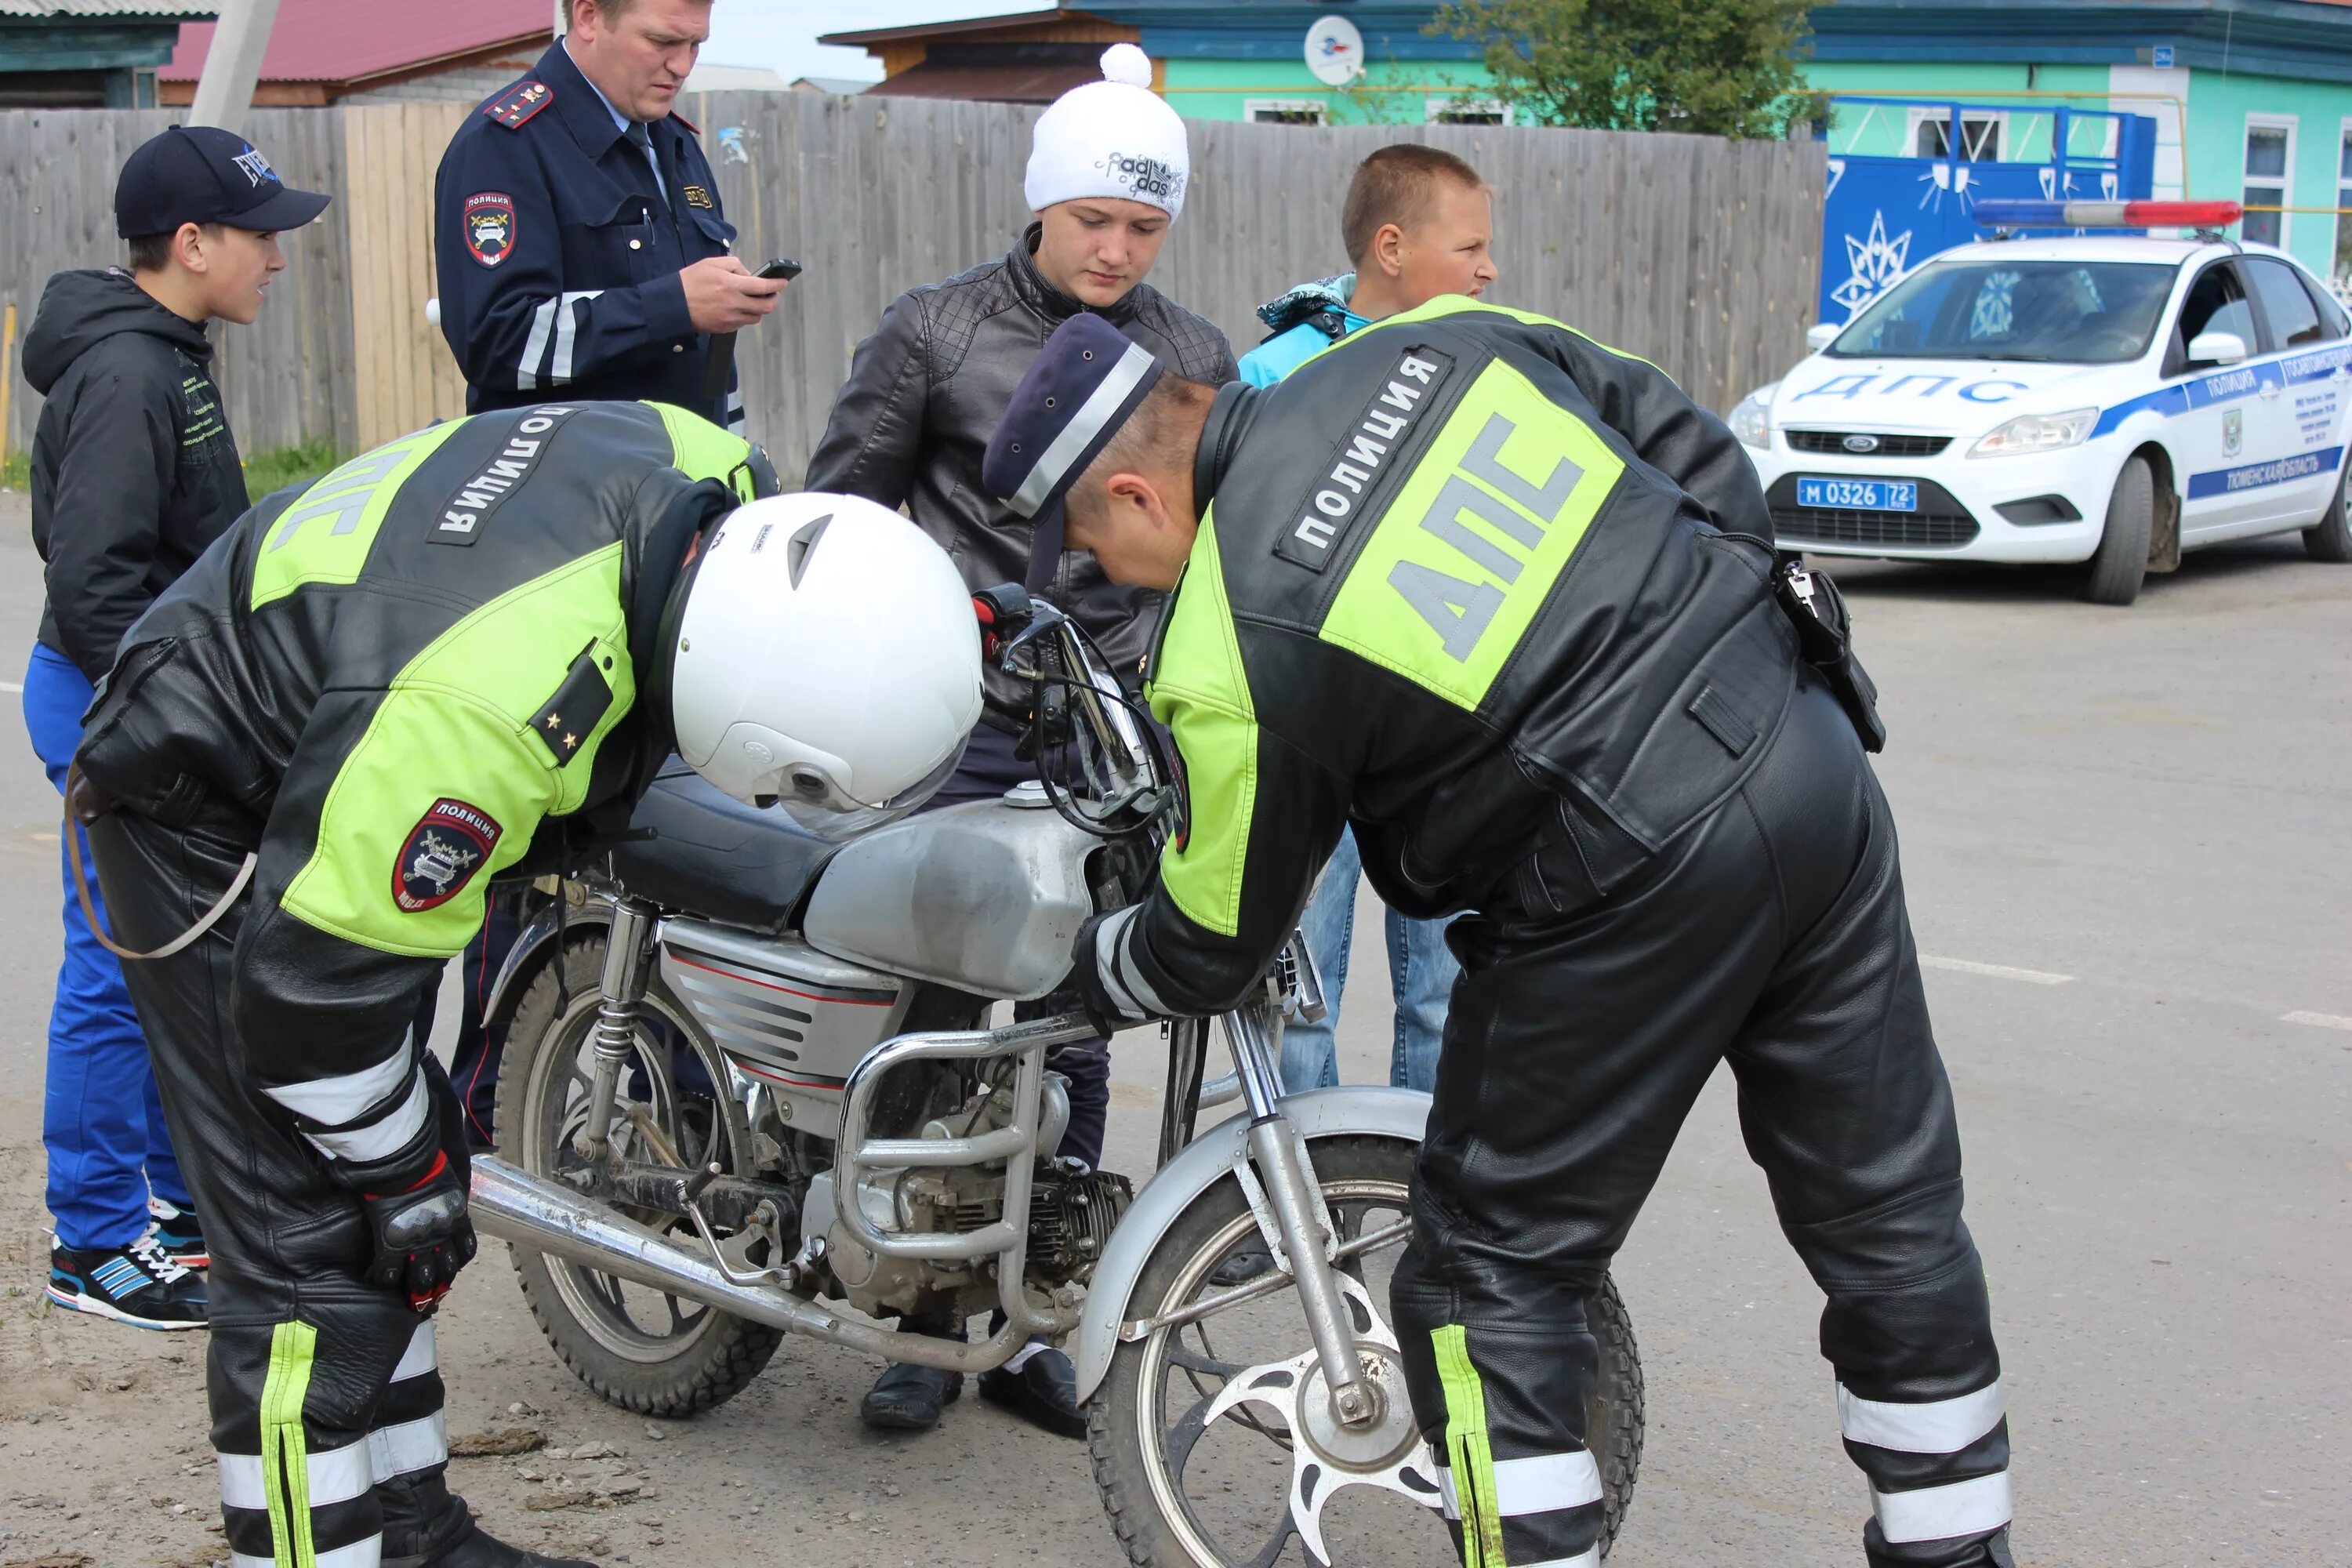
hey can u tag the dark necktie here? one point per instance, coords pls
(643, 139)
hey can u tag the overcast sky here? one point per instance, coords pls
(781, 34)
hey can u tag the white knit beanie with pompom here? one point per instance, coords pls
(1115, 137)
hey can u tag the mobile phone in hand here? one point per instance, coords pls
(779, 268)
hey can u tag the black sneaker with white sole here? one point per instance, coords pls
(175, 1229)
(138, 1285)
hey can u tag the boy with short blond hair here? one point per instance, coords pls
(134, 472)
(1417, 223)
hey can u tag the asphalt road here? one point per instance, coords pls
(2126, 842)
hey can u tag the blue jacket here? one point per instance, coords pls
(1304, 323)
(559, 253)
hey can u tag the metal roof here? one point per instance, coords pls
(315, 40)
(39, 10)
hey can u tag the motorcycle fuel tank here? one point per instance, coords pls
(986, 898)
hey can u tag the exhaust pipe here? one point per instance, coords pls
(530, 1212)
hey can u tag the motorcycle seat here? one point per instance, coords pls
(712, 856)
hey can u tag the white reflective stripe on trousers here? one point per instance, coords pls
(368, 1553)
(336, 1475)
(1939, 1513)
(419, 1358)
(411, 1446)
(1545, 1483)
(1932, 1427)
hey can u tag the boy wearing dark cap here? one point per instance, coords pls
(133, 473)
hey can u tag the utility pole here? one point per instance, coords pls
(233, 63)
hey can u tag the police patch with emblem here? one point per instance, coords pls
(696, 197)
(444, 851)
(488, 225)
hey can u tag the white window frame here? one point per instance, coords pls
(2291, 125)
(2341, 284)
(1252, 107)
(1916, 117)
(1432, 107)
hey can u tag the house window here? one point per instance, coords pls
(2343, 271)
(1467, 111)
(2269, 153)
(1283, 110)
(1931, 136)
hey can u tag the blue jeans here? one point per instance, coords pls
(1422, 971)
(100, 1120)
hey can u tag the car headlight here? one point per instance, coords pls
(2037, 433)
(1752, 422)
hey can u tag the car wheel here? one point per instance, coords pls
(2330, 539)
(2120, 563)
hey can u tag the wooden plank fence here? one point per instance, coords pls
(1700, 254)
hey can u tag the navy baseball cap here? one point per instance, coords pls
(200, 174)
(1081, 388)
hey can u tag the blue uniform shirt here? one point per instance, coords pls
(559, 250)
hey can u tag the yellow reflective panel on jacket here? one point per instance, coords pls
(458, 724)
(325, 534)
(701, 450)
(1199, 691)
(1456, 570)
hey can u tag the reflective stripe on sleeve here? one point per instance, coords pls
(344, 1098)
(1128, 990)
(1940, 1514)
(411, 1446)
(567, 329)
(419, 1358)
(534, 348)
(1932, 1427)
(335, 1475)
(379, 1140)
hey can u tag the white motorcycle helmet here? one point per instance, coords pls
(827, 661)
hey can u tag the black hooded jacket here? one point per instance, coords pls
(134, 471)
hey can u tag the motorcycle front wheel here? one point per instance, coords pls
(639, 1348)
(1196, 1432)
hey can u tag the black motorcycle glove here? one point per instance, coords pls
(1092, 980)
(423, 1235)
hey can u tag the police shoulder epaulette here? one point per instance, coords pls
(691, 128)
(525, 100)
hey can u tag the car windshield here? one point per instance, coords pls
(2071, 312)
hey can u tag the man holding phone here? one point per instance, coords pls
(581, 248)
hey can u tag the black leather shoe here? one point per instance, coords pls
(910, 1398)
(1044, 1393)
(478, 1548)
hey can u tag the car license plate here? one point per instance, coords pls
(1858, 495)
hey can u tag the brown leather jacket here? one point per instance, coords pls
(924, 395)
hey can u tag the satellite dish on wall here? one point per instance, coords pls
(1335, 52)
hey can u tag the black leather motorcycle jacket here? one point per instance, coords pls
(924, 394)
(1445, 590)
(384, 684)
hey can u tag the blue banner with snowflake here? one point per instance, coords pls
(1886, 214)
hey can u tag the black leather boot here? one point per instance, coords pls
(476, 1548)
(910, 1398)
(1044, 1392)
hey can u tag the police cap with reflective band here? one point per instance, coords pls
(1084, 382)
(199, 173)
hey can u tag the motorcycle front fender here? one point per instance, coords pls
(532, 951)
(1357, 1112)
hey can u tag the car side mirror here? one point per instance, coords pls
(2216, 348)
(1821, 334)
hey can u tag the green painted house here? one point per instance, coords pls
(2252, 98)
(88, 54)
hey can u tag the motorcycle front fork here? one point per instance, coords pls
(629, 956)
(1299, 1225)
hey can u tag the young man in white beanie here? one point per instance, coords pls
(1106, 177)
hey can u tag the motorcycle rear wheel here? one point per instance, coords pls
(699, 1357)
(1142, 1448)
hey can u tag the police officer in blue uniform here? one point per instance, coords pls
(577, 230)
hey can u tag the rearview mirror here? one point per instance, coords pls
(2216, 348)
(1821, 334)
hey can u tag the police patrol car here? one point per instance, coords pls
(2105, 398)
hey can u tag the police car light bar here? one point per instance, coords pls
(2107, 215)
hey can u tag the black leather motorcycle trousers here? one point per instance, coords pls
(325, 1392)
(1771, 934)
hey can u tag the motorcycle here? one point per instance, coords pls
(751, 1086)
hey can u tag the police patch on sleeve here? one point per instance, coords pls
(444, 851)
(488, 224)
